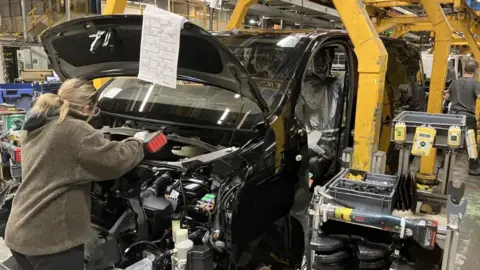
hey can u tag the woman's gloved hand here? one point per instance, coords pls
(152, 142)
(141, 135)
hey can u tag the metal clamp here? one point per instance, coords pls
(456, 190)
(455, 214)
(403, 164)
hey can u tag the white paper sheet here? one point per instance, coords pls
(160, 46)
(111, 93)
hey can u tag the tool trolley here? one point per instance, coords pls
(395, 203)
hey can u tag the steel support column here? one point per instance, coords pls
(24, 19)
(111, 7)
(67, 10)
(239, 13)
(443, 37)
(372, 63)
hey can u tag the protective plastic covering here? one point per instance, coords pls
(320, 109)
(318, 102)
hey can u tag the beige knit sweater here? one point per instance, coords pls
(51, 209)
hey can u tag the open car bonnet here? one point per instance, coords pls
(109, 46)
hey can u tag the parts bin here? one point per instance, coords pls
(366, 200)
(441, 123)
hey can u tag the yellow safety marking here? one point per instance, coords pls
(343, 213)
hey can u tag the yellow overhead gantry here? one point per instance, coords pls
(437, 22)
(465, 22)
(239, 13)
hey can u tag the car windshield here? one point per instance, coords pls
(190, 104)
(270, 59)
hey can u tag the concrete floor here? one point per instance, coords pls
(468, 252)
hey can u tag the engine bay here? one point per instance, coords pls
(177, 201)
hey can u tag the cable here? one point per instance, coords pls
(149, 243)
(163, 237)
(228, 194)
(184, 198)
(159, 260)
(210, 241)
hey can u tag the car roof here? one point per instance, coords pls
(307, 33)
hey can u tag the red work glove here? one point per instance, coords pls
(152, 142)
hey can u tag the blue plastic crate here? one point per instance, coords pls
(47, 87)
(18, 94)
(474, 4)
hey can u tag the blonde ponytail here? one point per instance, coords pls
(63, 110)
(74, 94)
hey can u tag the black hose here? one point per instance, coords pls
(159, 262)
(160, 182)
(228, 193)
(162, 238)
(149, 243)
(212, 245)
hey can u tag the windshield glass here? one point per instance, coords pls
(270, 59)
(190, 103)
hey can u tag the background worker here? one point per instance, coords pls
(462, 94)
(61, 155)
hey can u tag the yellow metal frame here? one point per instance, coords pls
(443, 38)
(114, 7)
(239, 13)
(465, 21)
(372, 64)
(441, 25)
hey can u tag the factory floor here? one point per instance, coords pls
(467, 257)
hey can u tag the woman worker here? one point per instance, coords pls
(62, 154)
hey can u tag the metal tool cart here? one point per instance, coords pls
(393, 203)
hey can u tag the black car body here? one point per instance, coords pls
(255, 153)
(290, 54)
(223, 140)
